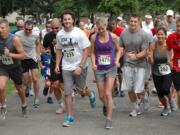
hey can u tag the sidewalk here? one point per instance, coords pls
(88, 121)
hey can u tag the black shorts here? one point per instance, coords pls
(14, 73)
(54, 76)
(28, 64)
(176, 79)
(162, 84)
(121, 61)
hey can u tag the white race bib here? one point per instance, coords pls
(48, 72)
(6, 60)
(178, 60)
(164, 69)
(104, 59)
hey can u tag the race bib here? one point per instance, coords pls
(104, 59)
(6, 60)
(69, 54)
(48, 72)
(178, 60)
(164, 69)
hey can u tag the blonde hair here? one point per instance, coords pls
(101, 22)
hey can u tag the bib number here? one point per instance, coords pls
(164, 69)
(104, 59)
(6, 60)
(48, 72)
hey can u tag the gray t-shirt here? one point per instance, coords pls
(134, 42)
(29, 43)
(172, 26)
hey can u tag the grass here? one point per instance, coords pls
(10, 85)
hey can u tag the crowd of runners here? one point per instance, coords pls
(127, 54)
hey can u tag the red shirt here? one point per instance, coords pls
(173, 42)
(118, 31)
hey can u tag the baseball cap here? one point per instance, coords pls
(170, 13)
(119, 18)
(148, 16)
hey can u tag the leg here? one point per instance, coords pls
(35, 82)
(3, 80)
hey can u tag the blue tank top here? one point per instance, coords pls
(104, 53)
(8, 62)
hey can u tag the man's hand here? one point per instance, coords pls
(77, 71)
(6, 52)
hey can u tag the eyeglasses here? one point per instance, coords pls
(28, 29)
(55, 28)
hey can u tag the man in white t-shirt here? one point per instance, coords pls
(73, 44)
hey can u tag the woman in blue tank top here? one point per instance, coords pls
(105, 54)
(161, 71)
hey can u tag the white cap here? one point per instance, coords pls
(170, 13)
(119, 18)
(148, 16)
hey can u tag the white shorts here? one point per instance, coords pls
(133, 79)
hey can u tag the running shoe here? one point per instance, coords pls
(115, 92)
(173, 105)
(24, 111)
(160, 105)
(31, 92)
(60, 110)
(134, 113)
(92, 99)
(27, 92)
(121, 93)
(50, 100)
(3, 113)
(68, 122)
(45, 91)
(165, 112)
(108, 124)
(36, 103)
(104, 110)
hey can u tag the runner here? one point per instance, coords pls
(173, 43)
(73, 44)
(104, 45)
(161, 71)
(134, 44)
(32, 47)
(11, 52)
(56, 79)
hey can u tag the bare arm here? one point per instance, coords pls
(94, 66)
(19, 47)
(151, 54)
(58, 59)
(118, 49)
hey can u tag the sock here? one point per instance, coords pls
(61, 103)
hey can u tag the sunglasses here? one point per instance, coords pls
(55, 28)
(28, 29)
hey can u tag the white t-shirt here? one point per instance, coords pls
(72, 44)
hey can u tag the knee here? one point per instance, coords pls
(2, 87)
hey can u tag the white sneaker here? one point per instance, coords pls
(31, 92)
(60, 110)
(134, 113)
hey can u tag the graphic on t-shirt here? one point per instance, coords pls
(70, 52)
(164, 69)
(6, 60)
(104, 59)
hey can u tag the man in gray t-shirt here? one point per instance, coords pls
(32, 46)
(134, 44)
